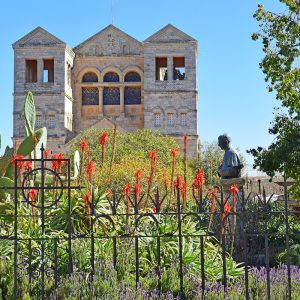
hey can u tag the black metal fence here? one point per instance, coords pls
(48, 253)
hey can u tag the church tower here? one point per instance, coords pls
(42, 65)
(170, 85)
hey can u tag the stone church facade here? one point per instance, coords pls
(109, 78)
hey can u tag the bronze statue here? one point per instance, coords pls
(231, 165)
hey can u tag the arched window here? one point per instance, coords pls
(90, 96)
(132, 95)
(111, 96)
(132, 77)
(90, 77)
(111, 77)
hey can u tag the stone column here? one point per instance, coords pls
(122, 107)
(101, 112)
(170, 68)
(40, 69)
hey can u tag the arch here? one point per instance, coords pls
(171, 109)
(132, 76)
(111, 77)
(89, 77)
(111, 69)
(87, 70)
(158, 109)
(135, 69)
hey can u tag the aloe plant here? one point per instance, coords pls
(27, 146)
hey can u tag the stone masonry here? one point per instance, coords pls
(109, 78)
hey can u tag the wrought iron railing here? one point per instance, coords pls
(39, 256)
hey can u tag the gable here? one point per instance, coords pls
(169, 34)
(110, 41)
(104, 123)
(38, 37)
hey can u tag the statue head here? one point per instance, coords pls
(224, 141)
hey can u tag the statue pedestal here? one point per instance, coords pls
(228, 183)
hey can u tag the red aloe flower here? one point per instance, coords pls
(90, 169)
(148, 180)
(174, 153)
(54, 162)
(199, 179)
(138, 175)
(127, 189)
(175, 183)
(32, 195)
(183, 189)
(27, 166)
(103, 139)
(153, 156)
(233, 190)
(57, 163)
(185, 142)
(154, 209)
(19, 163)
(47, 152)
(227, 210)
(87, 199)
(83, 145)
(137, 190)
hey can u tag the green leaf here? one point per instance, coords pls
(29, 113)
(6, 182)
(5, 160)
(27, 146)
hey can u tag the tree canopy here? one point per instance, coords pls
(280, 37)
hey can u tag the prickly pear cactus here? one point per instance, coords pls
(29, 114)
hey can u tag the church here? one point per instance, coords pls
(110, 78)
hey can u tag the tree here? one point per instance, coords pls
(280, 37)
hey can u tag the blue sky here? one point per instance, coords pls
(232, 93)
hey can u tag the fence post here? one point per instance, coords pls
(180, 240)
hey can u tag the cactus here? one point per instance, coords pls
(26, 148)
(29, 113)
(5, 160)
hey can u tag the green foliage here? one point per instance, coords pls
(29, 114)
(280, 37)
(211, 159)
(131, 154)
(7, 182)
(5, 160)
